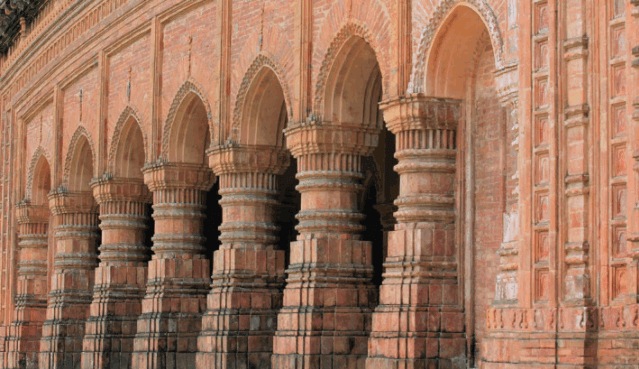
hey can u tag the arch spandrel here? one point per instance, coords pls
(438, 22)
(190, 89)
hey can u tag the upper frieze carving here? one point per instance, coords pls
(14, 16)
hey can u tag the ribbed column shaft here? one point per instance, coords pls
(178, 272)
(419, 296)
(248, 272)
(31, 299)
(76, 235)
(120, 279)
(329, 296)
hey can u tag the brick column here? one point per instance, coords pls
(31, 301)
(76, 235)
(248, 272)
(178, 272)
(120, 279)
(329, 296)
(420, 319)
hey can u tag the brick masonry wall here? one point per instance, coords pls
(489, 177)
(84, 63)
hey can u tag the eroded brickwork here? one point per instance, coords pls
(465, 191)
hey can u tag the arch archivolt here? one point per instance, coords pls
(35, 158)
(351, 29)
(189, 87)
(128, 114)
(439, 17)
(259, 63)
(80, 132)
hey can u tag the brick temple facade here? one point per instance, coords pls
(314, 184)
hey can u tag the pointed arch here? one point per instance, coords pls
(39, 177)
(438, 22)
(352, 51)
(449, 64)
(187, 91)
(262, 81)
(80, 161)
(128, 146)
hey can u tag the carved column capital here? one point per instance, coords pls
(248, 159)
(318, 137)
(62, 202)
(162, 175)
(420, 112)
(120, 189)
(27, 213)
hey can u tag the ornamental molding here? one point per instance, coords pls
(35, 158)
(348, 30)
(189, 87)
(261, 61)
(79, 133)
(440, 15)
(128, 113)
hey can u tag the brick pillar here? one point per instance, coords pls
(419, 321)
(178, 272)
(329, 296)
(248, 271)
(31, 301)
(120, 279)
(76, 235)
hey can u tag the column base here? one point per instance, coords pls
(428, 335)
(312, 338)
(239, 338)
(111, 329)
(171, 319)
(61, 344)
(24, 345)
(168, 340)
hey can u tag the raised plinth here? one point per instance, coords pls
(570, 337)
(76, 235)
(120, 278)
(178, 272)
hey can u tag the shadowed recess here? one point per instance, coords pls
(354, 85)
(129, 158)
(450, 60)
(264, 117)
(81, 167)
(190, 133)
(41, 182)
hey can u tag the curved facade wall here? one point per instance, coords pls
(321, 184)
